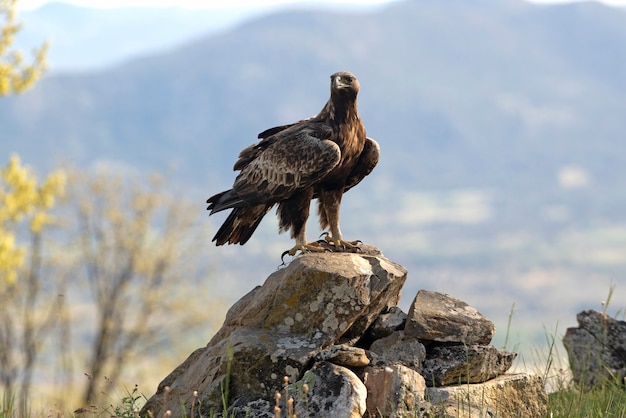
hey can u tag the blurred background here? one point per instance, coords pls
(502, 178)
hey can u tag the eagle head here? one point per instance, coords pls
(344, 83)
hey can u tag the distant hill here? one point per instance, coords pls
(501, 125)
(458, 82)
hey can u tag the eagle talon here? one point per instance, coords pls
(315, 247)
(282, 257)
(340, 245)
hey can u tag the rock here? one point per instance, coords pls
(458, 364)
(596, 349)
(259, 408)
(396, 348)
(333, 294)
(394, 391)
(334, 391)
(509, 395)
(439, 317)
(302, 332)
(386, 323)
(250, 363)
(344, 355)
(278, 328)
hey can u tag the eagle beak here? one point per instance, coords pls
(337, 83)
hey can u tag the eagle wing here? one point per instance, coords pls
(281, 165)
(272, 131)
(367, 161)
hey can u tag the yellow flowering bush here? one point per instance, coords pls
(16, 77)
(22, 199)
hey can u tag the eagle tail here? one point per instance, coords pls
(240, 224)
(224, 200)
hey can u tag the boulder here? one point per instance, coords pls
(596, 349)
(336, 295)
(394, 391)
(458, 364)
(344, 355)
(333, 391)
(277, 329)
(249, 364)
(386, 323)
(259, 408)
(509, 395)
(326, 335)
(395, 348)
(435, 316)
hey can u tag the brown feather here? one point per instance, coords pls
(320, 157)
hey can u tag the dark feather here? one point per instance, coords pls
(240, 225)
(366, 163)
(321, 157)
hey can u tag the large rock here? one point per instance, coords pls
(394, 391)
(597, 348)
(344, 355)
(396, 348)
(458, 364)
(250, 363)
(439, 317)
(334, 391)
(386, 323)
(509, 395)
(334, 295)
(326, 334)
(278, 328)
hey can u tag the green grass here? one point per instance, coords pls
(607, 401)
(570, 399)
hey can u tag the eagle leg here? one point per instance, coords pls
(329, 205)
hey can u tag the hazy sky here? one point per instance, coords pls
(221, 4)
(196, 4)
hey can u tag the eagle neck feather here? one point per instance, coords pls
(339, 111)
(342, 114)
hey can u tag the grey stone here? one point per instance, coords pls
(596, 349)
(296, 334)
(326, 293)
(457, 364)
(509, 395)
(394, 391)
(344, 355)
(259, 408)
(278, 328)
(333, 391)
(440, 317)
(251, 363)
(396, 348)
(386, 323)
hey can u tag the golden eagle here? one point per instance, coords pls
(321, 157)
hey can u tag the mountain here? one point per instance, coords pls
(501, 126)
